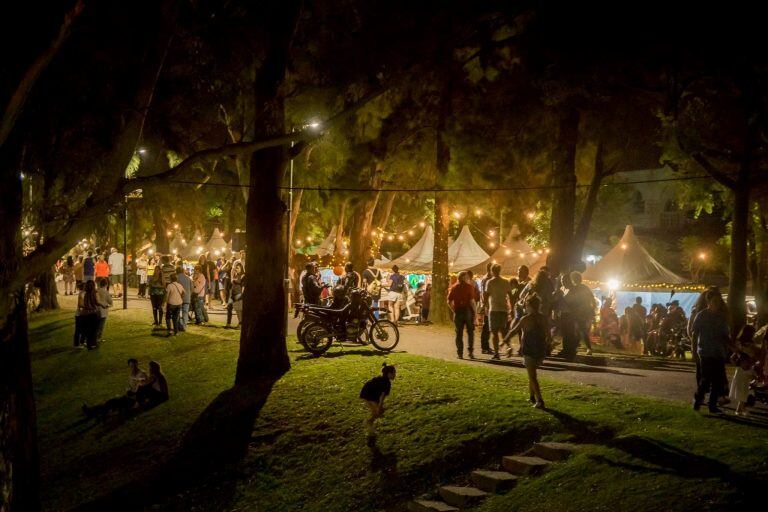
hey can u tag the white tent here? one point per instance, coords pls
(628, 263)
(216, 244)
(327, 246)
(514, 252)
(178, 244)
(418, 259)
(465, 253)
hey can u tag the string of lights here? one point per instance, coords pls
(455, 189)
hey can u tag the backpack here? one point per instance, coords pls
(374, 287)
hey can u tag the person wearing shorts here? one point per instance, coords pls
(116, 269)
(497, 298)
(532, 328)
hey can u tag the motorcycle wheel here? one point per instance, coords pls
(384, 335)
(317, 338)
(305, 322)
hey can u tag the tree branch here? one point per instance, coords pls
(20, 95)
(718, 175)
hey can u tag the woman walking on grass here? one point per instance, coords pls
(532, 328)
(373, 393)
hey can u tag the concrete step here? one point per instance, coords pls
(430, 506)
(462, 497)
(524, 465)
(553, 451)
(493, 481)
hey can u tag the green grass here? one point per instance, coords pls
(309, 452)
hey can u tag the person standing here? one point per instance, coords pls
(157, 295)
(497, 296)
(236, 296)
(105, 302)
(89, 267)
(78, 273)
(485, 334)
(186, 283)
(710, 329)
(462, 300)
(67, 271)
(372, 282)
(426, 300)
(116, 271)
(581, 304)
(198, 296)
(396, 288)
(174, 299)
(351, 279)
(88, 312)
(310, 286)
(102, 268)
(142, 269)
(642, 314)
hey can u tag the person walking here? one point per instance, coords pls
(581, 304)
(78, 273)
(397, 289)
(102, 269)
(710, 329)
(183, 279)
(497, 295)
(174, 299)
(462, 300)
(533, 330)
(235, 297)
(116, 271)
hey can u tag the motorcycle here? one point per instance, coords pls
(356, 322)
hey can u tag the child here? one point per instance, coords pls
(533, 340)
(373, 394)
(745, 374)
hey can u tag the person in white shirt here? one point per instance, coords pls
(174, 299)
(105, 302)
(116, 269)
(142, 268)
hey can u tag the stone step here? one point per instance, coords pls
(524, 465)
(430, 506)
(493, 481)
(462, 497)
(553, 451)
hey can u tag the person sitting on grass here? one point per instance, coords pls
(373, 393)
(154, 390)
(532, 328)
(136, 378)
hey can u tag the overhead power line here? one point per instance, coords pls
(452, 189)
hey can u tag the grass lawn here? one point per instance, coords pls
(443, 419)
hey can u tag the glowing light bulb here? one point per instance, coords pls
(530, 215)
(422, 224)
(174, 251)
(410, 232)
(390, 237)
(309, 239)
(478, 212)
(613, 284)
(507, 252)
(199, 250)
(199, 238)
(175, 226)
(492, 245)
(169, 232)
(491, 233)
(702, 256)
(623, 246)
(400, 237)
(457, 215)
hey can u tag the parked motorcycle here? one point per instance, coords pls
(321, 326)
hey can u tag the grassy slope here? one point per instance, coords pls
(443, 418)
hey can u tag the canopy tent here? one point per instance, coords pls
(465, 253)
(216, 244)
(178, 244)
(418, 259)
(628, 265)
(514, 252)
(327, 246)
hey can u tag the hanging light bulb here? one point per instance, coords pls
(422, 224)
(457, 215)
(492, 245)
(507, 252)
(478, 212)
(491, 233)
(175, 226)
(410, 232)
(400, 237)
(390, 237)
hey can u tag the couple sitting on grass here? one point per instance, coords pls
(144, 392)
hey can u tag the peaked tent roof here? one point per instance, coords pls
(216, 242)
(177, 245)
(327, 246)
(514, 252)
(629, 263)
(465, 253)
(418, 259)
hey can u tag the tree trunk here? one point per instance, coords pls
(360, 233)
(582, 230)
(386, 209)
(46, 283)
(162, 244)
(19, 464)
(224, 429)
(737, 289)
(564, 203)
(338, 247)
(760, 279)
(438, 312)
